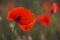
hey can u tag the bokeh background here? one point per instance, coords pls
(9, 30)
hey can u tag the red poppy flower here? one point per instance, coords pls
(23, 16)
(53, 9)
(46, 5)
(44, 19)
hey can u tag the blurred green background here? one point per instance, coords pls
(9, 30)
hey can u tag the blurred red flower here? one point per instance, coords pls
(46, 5)
(44, 19)
(23, 16)
(53, 9)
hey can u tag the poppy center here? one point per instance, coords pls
(17, 19)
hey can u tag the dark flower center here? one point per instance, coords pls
(17, 19)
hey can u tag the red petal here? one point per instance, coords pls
(27, 27)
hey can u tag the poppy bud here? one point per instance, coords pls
(53, 9)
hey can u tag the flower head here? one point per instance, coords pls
(44, 19)
(46, 5)
(53, 9)
(23, 16)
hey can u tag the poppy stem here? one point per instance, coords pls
(27, 37)
(41, 35)
(12, 25)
